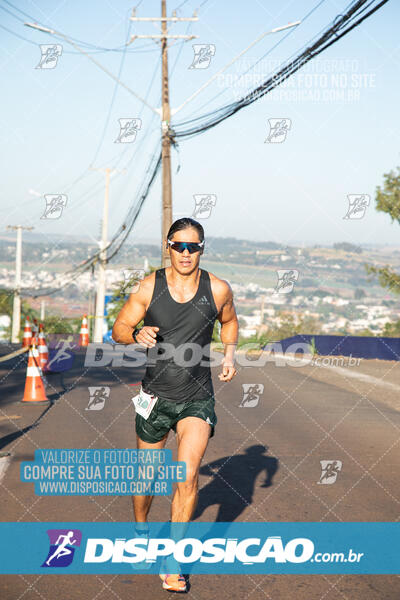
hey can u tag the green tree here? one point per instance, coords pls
(120, 296)
(387, 200)
(287, 327)
(6, 308)
(359, 293)
(56, 324)
(6, 302)
(347, 247)
(391, 329)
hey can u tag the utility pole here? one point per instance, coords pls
(16, 316)
(165, 141)
(165, 114)
(101, 273)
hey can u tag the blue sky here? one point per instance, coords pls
(343, 111)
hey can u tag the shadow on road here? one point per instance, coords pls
(233, 482)
(14, 435)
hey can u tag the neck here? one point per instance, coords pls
(182, 279)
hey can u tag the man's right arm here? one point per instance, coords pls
(133, 311)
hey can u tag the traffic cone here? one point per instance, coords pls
(84, 332)
(27, 338)
(34, 386)
(43, 350)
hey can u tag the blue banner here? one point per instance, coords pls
(243, 548)
(382, 348)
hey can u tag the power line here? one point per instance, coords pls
(116, 85)
(287, 34)
(95, 48)
(336, 31)
(342, 25)
(181, 4)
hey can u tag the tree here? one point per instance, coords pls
(359, 293)
(6, 308)
(120, 296)
(6, 302)
(287, 327)
(55, 324)
(387, 200)
(391, 329)
(347, 247)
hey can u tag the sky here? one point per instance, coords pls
(341, 110)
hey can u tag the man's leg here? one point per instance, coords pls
(141, 504)
(192, 436)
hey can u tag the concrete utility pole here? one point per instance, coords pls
(165, 141)
(16, 316)
(101, 273)
(165, 113)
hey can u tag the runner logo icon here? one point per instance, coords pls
(62, 547)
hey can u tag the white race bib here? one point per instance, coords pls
(144, 403)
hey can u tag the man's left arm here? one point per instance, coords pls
(229, 334)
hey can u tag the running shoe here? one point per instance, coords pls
(174, 583)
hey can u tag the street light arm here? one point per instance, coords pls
(96, 62)
(207, 83)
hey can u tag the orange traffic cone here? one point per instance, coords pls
(27, 338)
(84, 332)
(34, 387)
(43, 350)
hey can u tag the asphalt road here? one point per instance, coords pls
(300, 419)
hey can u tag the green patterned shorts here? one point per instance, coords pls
(166, 414)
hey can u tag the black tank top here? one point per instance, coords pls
(179, 371)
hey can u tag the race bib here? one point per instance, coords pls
(144, 403)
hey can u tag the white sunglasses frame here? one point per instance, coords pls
(199, 243)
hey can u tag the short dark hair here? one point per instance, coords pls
(185, 223)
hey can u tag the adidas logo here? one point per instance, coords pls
(203, 300)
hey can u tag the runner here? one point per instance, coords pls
(179, 305)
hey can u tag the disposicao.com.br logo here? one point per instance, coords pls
(247, 551)
(200, 547)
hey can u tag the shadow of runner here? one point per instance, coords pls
(233, 482)
(10, 437)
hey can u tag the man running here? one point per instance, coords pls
(179, 305)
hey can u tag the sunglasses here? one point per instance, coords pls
(191, 246)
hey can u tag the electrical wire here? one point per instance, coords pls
(95, 48)
(342, 25)
(336, 30)
(116, 86)
(278, 43)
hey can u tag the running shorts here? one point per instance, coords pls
(166, 414)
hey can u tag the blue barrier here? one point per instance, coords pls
(383, 348)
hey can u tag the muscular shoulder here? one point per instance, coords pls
(221, 289)
(143, 291)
